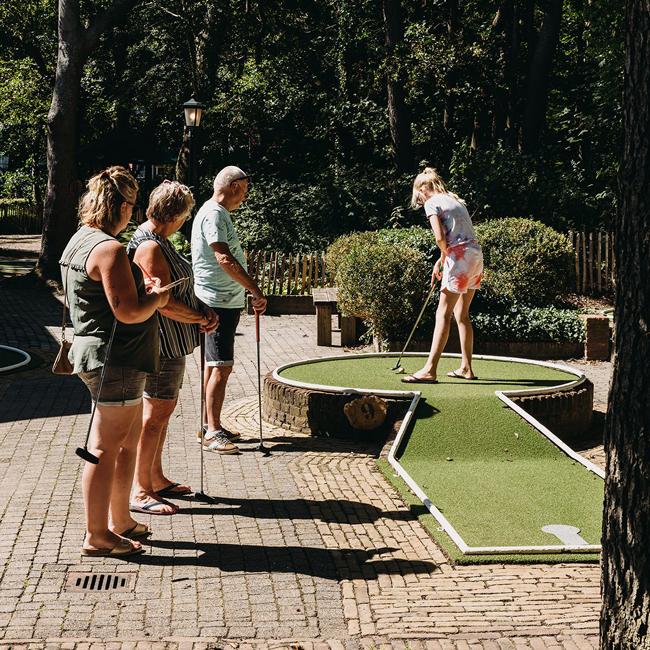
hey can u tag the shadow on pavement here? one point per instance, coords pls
(317, 562)
(329, 510)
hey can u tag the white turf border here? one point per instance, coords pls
(24, 362)
(504, 396)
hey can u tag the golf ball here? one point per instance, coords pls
(400, 371)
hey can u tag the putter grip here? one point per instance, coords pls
(257, 325)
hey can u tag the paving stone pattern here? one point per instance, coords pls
(306, 548)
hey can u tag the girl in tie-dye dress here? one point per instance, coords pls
(459, 268)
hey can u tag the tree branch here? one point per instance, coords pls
(110, 17)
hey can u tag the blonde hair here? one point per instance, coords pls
(430, 179)
(101, 203)
(168, 200)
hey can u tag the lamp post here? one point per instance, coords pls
(193, 111)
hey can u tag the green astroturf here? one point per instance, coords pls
(504, 480)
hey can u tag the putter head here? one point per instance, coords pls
(204, 498)
(265, 450)
(83, 453)
(397, 365)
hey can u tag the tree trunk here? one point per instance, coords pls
(625, 614)
(538, 77)
(75, 44)
(399, 115)
(61, 197)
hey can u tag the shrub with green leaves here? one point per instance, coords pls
(525, 261)
(520, 322)
(381, 282)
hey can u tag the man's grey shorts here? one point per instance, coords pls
(165, 384)
(123, 386)
(220, 344)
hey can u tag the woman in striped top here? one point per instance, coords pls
(179, 324)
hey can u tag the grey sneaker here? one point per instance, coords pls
(231, 435)
(218, 442)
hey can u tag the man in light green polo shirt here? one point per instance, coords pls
(220, 281)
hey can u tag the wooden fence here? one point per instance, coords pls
(27, 219)
(594, 261)
(288, 273)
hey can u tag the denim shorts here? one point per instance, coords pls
(166, 383)
(220, 344)
(123, 386)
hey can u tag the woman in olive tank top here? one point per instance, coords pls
(102, 287)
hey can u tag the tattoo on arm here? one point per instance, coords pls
(116, 302)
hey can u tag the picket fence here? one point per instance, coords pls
(27, 219)
(594, 261)
(288, 273)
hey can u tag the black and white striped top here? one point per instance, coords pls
(176, 339)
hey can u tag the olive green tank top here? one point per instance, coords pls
(134, 345)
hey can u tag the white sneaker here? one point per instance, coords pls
(219, 443)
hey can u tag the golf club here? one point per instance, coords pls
(83, 452)
(261, 446)
(201, 495)
(398, 365)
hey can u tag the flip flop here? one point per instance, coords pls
(172, 490)
(148, 508)
(411, 379)
(139, 530)
(457, 375)
(122, 548)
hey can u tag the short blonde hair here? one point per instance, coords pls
(169, 199)
(430, 179)
(100, 205)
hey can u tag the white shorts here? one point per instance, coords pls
(463, 268)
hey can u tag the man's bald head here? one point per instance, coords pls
(226, 176)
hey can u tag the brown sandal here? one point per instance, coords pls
(122, 548)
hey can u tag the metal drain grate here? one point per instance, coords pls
(105, 582)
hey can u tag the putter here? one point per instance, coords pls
(261, 446)
(83, 452)
(201, 495)
(398, 365)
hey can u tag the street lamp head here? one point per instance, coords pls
(193, 110)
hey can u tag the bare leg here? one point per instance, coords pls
(466, 333)
(156, 414)
(111, 427)
(216, 380)
(124, 469)
(445, 309)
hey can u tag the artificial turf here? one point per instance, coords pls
(495, 478)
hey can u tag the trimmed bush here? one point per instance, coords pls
(520, 322)
(525, 261)
(381, 283)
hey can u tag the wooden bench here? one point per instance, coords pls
(325, 302)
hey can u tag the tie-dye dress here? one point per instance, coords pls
(463, 266)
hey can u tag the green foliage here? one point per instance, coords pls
(180, 243)
(525, 260)
(383, 276)
(518, 321)
(382, 284)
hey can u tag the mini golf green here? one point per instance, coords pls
(492, 480)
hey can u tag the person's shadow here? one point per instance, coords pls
(339, 564)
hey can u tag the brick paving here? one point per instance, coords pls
(306, 548)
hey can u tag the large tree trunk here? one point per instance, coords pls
(625, 615)
(538, 78)
(62, 195)
(75, 43)
(399, 115)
